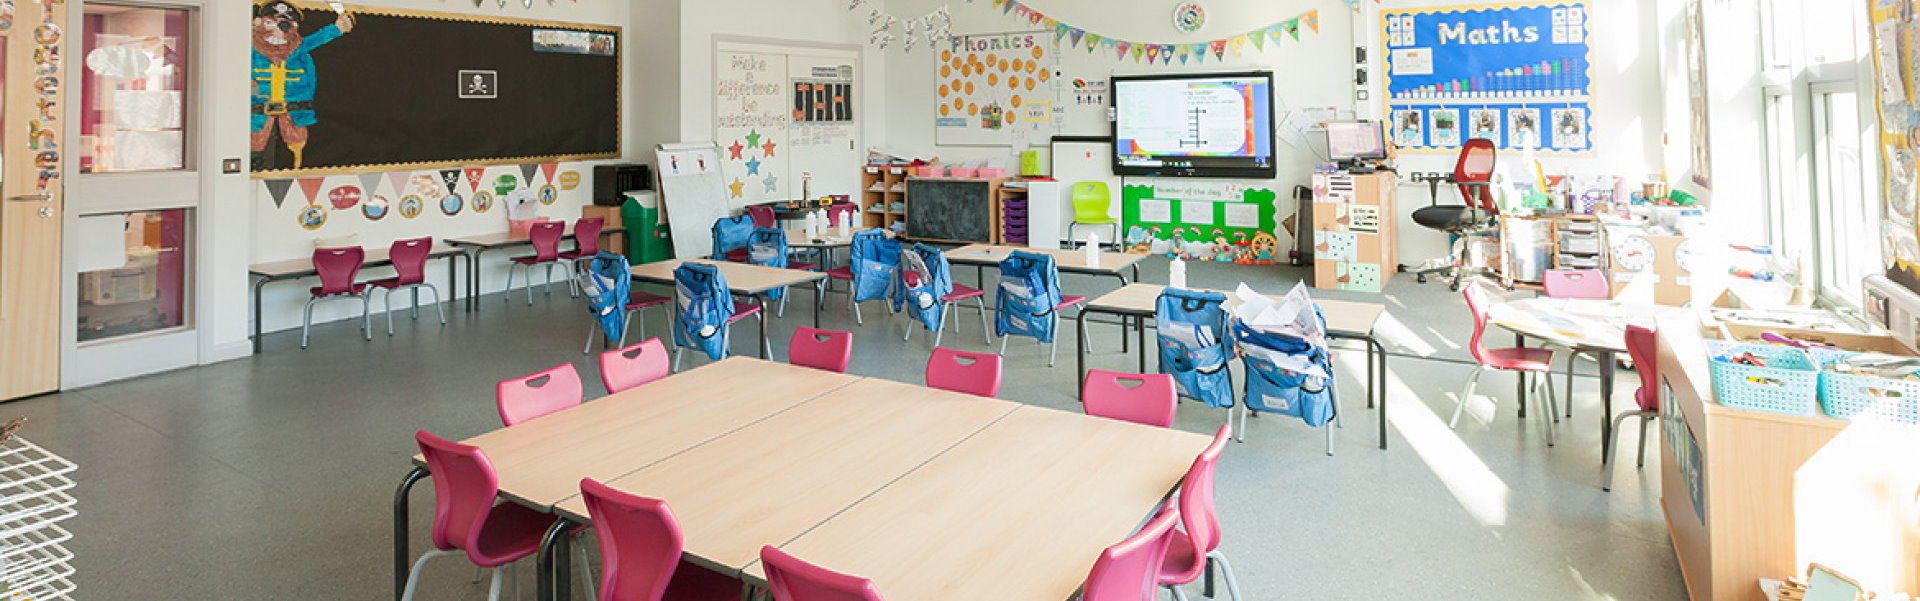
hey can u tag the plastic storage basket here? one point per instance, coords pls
(1847, 395)
(1789, 384)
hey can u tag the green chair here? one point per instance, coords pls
(1091, 200)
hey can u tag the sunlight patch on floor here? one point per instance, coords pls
(1478, 490)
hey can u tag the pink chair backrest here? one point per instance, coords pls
(337, 268)
(522, 399)
(545, 237)
(830, 350)
(640, 542)
(961, 371)
(1476, 165)
(1643, 344)
(410, 259)
(1130, 569)
(1476, 293)
(1197, 509)
(1139, 398)
(762, 215)
(791, 579)
(586, 235)
(464, 487)
(622, 369)
(1577, 283)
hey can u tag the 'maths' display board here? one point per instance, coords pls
(996, 89)
(1896, 59)
(1201, 220)
(1516, 74)
(385, 89)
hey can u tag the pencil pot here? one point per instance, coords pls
(1845, 395)
(1787, 383)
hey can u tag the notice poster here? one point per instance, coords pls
(986, 84)
(1507, 68)
(751, 118)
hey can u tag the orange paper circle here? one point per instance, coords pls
(959, 103)
(946, 71)
(1029, 84)
(1016, 101)
(973, 109)
(969, 88)
(943, 89)
(946, 55)
(1037, 53)
(944, 109)
(993, 79)
(1045, 75)
(1013, 83)
(1012, 117)
(1032, 66)
(1004, 64)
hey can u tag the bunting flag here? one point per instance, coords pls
(473, 178)
(398, 180)
(527, 171)
(1076, 36)
(278, 188)
(548, 169)
(311, 186)
(452, 179)
(370, 182)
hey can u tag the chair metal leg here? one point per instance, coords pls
(676, 358)
(985, 331)
(1545, 379)
(499, 575)
(1003, 344)
(306, 324)
(547, 288)
(387, 297)
(1573, 356)
(477, 573)
(1473, 381)
(413, 577)
(946, 313)
(437, 305)
(1226, 571)
(586, 569)
(1614, 447)
(506, 295)
(592, 327)
(1178, 595)
(857, 319)
(1641, 461)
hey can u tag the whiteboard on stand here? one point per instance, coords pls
(694, 194)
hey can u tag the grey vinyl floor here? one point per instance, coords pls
(272, 477)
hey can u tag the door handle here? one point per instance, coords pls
(31, 197)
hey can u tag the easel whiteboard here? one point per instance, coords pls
(693, 193)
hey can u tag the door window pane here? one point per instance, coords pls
(133, 89)
(133, 280)
(1849, 226)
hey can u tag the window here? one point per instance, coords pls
(133, 91)
(1846, 218)
(133, 273)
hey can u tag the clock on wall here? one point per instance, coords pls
(1189, 17)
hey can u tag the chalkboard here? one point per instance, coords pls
(404, 89)
(950, 210)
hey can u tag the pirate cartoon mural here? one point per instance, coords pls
(285, 78)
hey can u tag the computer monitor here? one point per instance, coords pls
(1356, 140)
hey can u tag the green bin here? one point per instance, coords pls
(647, 239)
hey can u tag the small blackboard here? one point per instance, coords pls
(950, 210)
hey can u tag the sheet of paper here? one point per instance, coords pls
(1156, 211)
(1364, 219)
(1242, 214)
(1193, 212)
(102, 240)
(148, 150)
(1887, 47)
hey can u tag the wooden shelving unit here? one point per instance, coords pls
(881, 187)
(1572, 242)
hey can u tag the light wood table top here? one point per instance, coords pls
(1343, 317)
(540, 462)
(799, 239)
(1018, 511)
(1589, 324)
(779, 477)
(1065, 260)
(375, 257)
(742, 278)
(499, 239)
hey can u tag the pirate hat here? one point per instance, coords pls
(277, 9)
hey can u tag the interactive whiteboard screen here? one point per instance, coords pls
(1205, 125)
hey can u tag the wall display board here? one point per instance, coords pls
(1204, 220)
(996, 89)
(330, 98)
(780, 117)
(1896, 60)
(1517, 74)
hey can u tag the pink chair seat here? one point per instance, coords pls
(840, 273)
(739, 255)
(961, 293)
(1068, 300)
(354, 289)
(637, 300)
(1520, 359)
(694, 583)
(798, 266)
(389, 283)
(1180, 558)
(576, 254)
(742, 310)
(531, 260)
(513, 533)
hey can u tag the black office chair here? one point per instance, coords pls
(1473, 173)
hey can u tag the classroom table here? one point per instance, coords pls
(743, 278)
(824, 245)
(539, 463)
(1020, 510)
(1595, 326)
(293, 269)
(482, 243)
(982, 256)
(1346, 320)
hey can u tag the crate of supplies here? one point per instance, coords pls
(1782, 379)
(1861, 392)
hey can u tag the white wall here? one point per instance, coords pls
(781, 22)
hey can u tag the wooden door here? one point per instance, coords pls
(33, 66)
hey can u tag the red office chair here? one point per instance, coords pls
(1473, 173)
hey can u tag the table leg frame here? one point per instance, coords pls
(401, 560)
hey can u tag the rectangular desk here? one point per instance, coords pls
(485, 242)
(539, 463)
(1345, 320)
(823, 245)
(772, 480)
(745, 279)
(293, 269)
(1019, 511)
(1068, 261)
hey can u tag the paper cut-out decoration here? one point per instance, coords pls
(753, 167)
(482, 201)
(773, 182)
(277, 190)
(284, 76)
(313, 216)
(411, 206)
(548, 194)
(473, 178)
(1335, 246)
(1364, 219)
(753, 139)
(733, 152)
(398, 182)
(344, 197)
(311, 186)
(374, 208)
(569, 180)
(452, 204)
(527, 171)
(768, 147)
(736, 188)
(1360, 277)
(549, 169)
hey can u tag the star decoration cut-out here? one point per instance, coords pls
(736, 187)
(753, 167)
(773, 183)
(753, 138)
(768, 147)
(735, 149)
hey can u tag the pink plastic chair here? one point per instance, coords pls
(465, 517)
(1590, 284)
(1643, 344)
(1127, 570)
(640, 546)
(623, 369)
(522, 399)
(545, 237)
(637, 301)
(830, 350)
(961, 371)
(1536, 364)
(338, 267)
(762, 215)
(409, 259)
(586, 238)
(1199, 544)
(791, 579)
(1139, 398)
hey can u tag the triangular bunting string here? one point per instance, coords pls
(311, 186)
(548, 170)
(1121, 49)
(473, 178)
(398, 180)
(278, 188)
(369, 181)
(527, 171)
